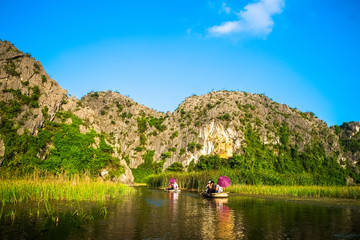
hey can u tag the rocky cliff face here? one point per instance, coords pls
(26, 90)
(23, 77)
(350, 140)
(214, 123)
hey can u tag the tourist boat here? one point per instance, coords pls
(172, 190)
(215, 195)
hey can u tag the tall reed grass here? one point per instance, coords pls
(198, 180)
(25, 190)
(352, 192)
(192, 180)
(257, 183)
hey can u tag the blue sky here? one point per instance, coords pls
(303, 53)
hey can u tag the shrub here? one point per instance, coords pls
(36, 68)
(142, 124)
(119, 106)
(143, 139)
(172, 149)
(26, 83)
(182, 151)
(165, 155)
(191, 146)
(10, 68)
(45, 111)
(139, 149)
(174, 135)
(225, 117)
(175, 167)
(94, 95)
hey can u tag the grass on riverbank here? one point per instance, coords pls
(352, 192)
(19, 191)
(198, 180)
(299, 186)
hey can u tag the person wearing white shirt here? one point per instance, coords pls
(218, 189)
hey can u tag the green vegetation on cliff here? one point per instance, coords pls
(57, 148)
(147, 168)
(259, 165)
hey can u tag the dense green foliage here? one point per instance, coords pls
(147, 168)
(57, 148)
(73, 152)
(175, 167)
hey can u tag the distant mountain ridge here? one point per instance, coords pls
(216, 123)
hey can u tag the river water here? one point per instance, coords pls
(155, 214)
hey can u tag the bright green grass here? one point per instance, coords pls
(192, 180)
(352, 192)
(198, 181)
(19, 191)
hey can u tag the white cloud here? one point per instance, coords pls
(254, 19)
(225, 8)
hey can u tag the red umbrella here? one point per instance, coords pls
(172, 180)
(224, 181)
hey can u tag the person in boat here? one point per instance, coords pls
(218, 188)
(208, 187)
(211, 187)
(170, 186)
(175, 186)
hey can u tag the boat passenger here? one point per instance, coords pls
(170, 186)
(175, 186)
(212, 187)
(218, 189)
(208, 187)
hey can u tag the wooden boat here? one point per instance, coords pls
(215, 195)
(172, 190)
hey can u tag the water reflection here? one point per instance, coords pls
(221, 219)
(280, 219)
(154, 214)
(173, 202)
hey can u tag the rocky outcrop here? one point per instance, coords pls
(350, 141)
(34, 88)
(214, 123)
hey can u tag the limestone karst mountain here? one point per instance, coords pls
(216, 123)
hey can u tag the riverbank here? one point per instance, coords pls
(297, 186)
(19, 191)
(348, 192)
